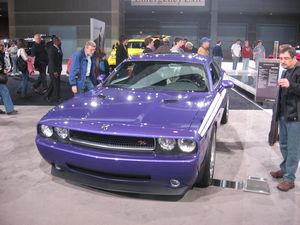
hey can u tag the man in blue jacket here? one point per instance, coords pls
(82, 75)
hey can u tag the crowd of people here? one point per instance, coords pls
(183, 45)
(246, 53)
(88, 65)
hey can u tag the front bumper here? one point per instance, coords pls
(117, 185)
(119, 171)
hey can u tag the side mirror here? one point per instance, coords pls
(101, 78)
(227, 84)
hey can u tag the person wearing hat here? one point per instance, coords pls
(204, 46)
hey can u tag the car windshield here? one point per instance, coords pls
(160, 75)
(136, 45)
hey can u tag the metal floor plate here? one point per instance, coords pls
(257, 185)
(252, 184)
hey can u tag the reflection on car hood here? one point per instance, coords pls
(132, 108)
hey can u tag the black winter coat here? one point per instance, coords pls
(121, 54)
(290, 97)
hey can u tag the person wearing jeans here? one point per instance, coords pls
(82, 75)
(24, 76)
(4, 92)
(288, 114)
(259, 53)
(13, 55)
(246, 54)
(235, 53)
(6, 99)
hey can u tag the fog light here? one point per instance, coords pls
(174, 183)
(57, 167)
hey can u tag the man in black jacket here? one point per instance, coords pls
(41, 60)
(55, 56)
(217, 53)
(121, 51)
(288, 114)
(149, 45)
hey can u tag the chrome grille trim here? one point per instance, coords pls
(111, 147)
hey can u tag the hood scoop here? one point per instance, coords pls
(170, 100)
(101, 96)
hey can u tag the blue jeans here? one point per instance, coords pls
(218, 60)
(290, 148)
(88, 85)
(257, 63)
(4, 94)
(24, 84)
(14, 64)
(235, 61)
(245, 63)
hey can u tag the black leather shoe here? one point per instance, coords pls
(1, 111)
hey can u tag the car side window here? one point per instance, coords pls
(215, 74)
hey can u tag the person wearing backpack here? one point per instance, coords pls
(22, 58)
(82, 75)
(102, 67)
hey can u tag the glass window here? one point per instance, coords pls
(215, 74)
(136, 45)
(160, 75)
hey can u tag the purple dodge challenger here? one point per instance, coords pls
(149, 128)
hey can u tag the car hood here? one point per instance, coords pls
(127, 109)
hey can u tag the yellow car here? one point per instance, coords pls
(135, 46)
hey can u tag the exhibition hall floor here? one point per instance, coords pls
(30, 195)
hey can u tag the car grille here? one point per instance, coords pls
(111, 142)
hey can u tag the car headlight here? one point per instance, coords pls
(61, 132)
(47, 131)
(167, 143)
(186, 145)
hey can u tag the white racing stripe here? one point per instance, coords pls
(212, 112)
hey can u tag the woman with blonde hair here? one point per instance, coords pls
(22, 67)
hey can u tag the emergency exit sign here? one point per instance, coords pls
(168, 2)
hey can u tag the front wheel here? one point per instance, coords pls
(206, 174)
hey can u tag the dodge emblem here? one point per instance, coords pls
(142, 142)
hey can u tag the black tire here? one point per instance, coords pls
(225, 115)
(206, 174)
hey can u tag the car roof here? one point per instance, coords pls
(192, 57)
(136, 40)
